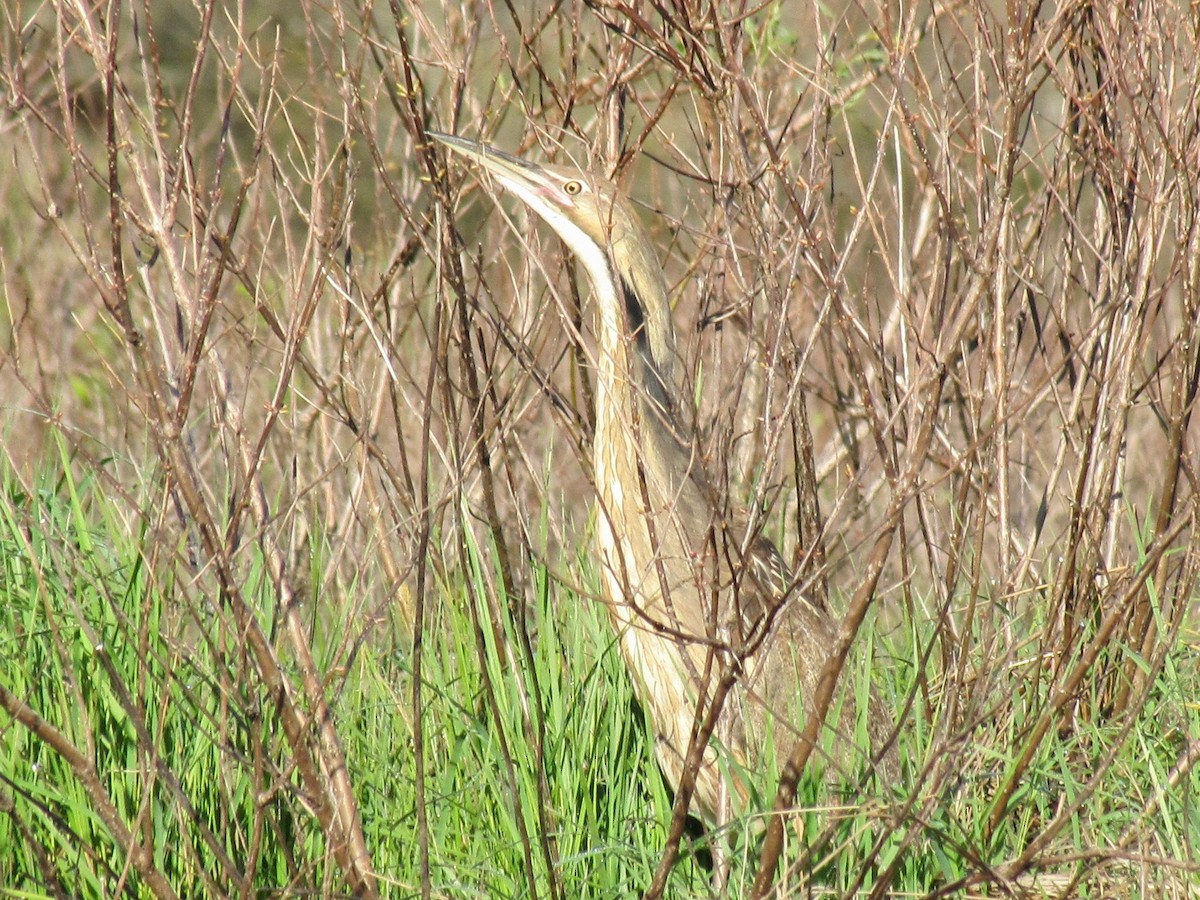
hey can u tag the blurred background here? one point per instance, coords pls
(297, 581)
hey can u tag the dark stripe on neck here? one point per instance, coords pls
(635, 322)
(635, 315)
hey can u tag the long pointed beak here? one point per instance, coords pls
(505, 166)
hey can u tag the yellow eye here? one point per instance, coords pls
(573, 188)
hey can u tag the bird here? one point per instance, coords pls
(690, 591)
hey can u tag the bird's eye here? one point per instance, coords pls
(573, 188)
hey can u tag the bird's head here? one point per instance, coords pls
(600, 226)
(582, 208)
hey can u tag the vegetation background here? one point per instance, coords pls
(296, 594)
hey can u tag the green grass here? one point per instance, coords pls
(145, 677)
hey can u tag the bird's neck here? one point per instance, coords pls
(613, 373)
(636, 349)
(639, 423)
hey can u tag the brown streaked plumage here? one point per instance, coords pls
(687, 592)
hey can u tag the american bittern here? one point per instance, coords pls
(688, 594)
